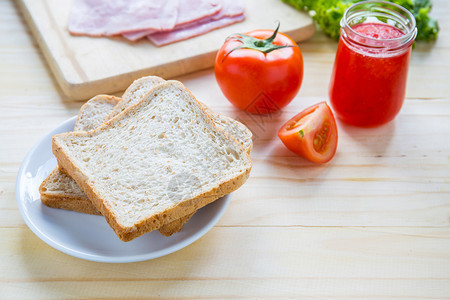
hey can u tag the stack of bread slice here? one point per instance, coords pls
(147, 161)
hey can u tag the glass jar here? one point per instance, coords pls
(368, 81)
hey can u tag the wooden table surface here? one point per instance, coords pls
(374, 223)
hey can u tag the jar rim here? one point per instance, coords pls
(407, 16)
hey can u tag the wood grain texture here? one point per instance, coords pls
(85, 65)
(338, 263)
(372, 224)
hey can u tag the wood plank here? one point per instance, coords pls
(334, 263)
(85, 66)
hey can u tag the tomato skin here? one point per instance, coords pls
(312, 133)
(260, 82)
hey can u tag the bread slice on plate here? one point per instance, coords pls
(157, 161)
(60, 191)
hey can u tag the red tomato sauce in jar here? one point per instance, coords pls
(368, 82)
(378, 31)
(368, 89)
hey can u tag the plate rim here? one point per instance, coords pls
(49, 240)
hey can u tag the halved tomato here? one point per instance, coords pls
(312, 133)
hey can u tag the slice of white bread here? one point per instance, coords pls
(60, 191)
(157, 161)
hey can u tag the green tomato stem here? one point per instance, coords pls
(249, 42)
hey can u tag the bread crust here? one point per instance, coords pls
(82, 205)
(173, 213)
(174, 226)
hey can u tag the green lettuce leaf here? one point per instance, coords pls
(328, 13)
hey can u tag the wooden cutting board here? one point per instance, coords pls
(85, 66)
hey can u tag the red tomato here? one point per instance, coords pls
(312, 133)
(259, 72)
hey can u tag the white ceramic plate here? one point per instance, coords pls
(90, 237)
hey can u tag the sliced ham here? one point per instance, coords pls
(232, 12)
(165, 38)
(107, 18)
(192, 10)
(188, 12)
(231, 8)
(161, 21)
